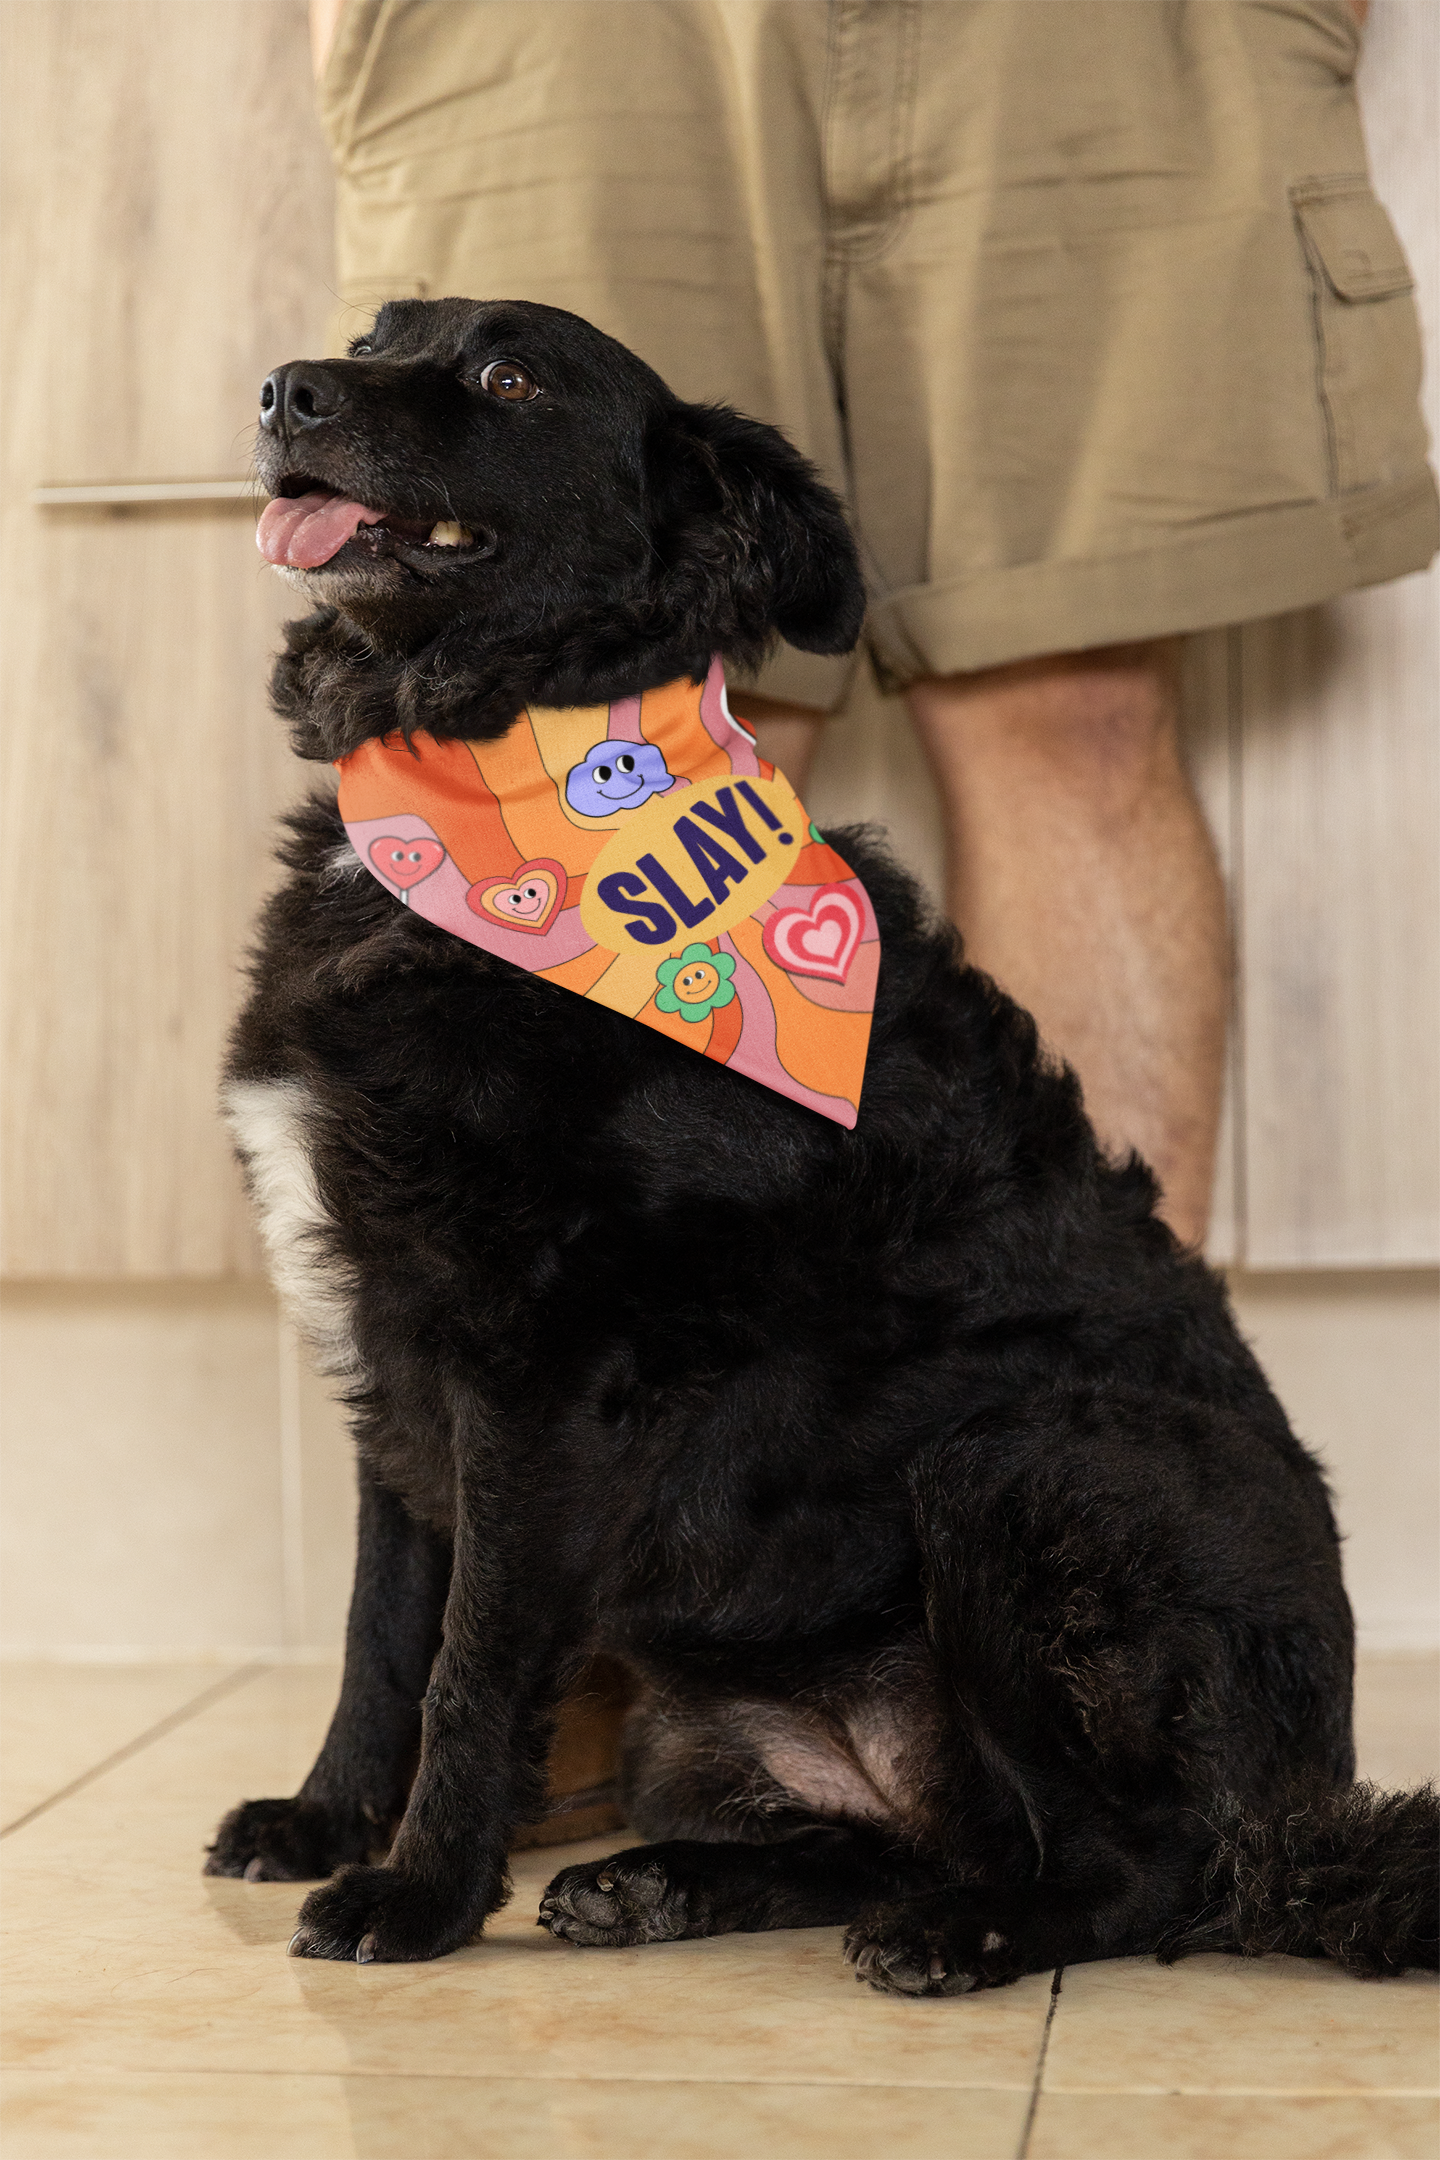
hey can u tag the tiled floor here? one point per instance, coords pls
(153, 2015)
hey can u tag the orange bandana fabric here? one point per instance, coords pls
(643, 856)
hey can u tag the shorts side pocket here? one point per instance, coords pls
(1366, 333)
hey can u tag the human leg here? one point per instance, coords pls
(1083, 878)
(788, 735)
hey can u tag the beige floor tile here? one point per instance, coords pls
(123, 1957)
(1130, 2126)
(200, 2116)
(1241, 2025)
(228, 2116)
(58, 1721)
(1397, 1717)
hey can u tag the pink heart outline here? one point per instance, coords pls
(406, 862)
(480, 898)
(819, 940)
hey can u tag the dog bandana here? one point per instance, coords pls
(643, 856)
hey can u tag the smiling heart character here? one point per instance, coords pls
(405, 862)
(526, 900)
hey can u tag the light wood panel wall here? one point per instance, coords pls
(169, 241)
(1337, 779)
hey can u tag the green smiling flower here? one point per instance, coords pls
(696, 983)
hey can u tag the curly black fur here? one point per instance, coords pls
(979, 1596)
(1351, 1875)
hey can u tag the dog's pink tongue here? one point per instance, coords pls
(306, 530)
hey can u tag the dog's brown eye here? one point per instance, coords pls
(504, 379)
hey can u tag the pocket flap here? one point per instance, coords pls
(1354, 240)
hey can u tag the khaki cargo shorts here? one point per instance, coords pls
(1086, 306)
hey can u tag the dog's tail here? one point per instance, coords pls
(1351, 1875)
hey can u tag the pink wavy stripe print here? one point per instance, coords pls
(440, 898)
(732, 739)
(625, 720)
(755, 1054)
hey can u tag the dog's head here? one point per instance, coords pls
(496, 504)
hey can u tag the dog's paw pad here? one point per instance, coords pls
(375, 1915)
(909, 1950)
(613, 1903)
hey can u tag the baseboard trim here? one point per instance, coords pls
(22, 1653)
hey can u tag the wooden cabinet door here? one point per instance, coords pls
(170, 240)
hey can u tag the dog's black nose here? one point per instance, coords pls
(298, 396)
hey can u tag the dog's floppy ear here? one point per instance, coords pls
(742, 513)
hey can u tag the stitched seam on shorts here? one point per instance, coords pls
(900, 153)
(1316, 272)
(832, 327)
(902, 133)
(832, 289)
(827, 114)
(1328, 187)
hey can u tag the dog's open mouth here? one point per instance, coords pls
(308, 524)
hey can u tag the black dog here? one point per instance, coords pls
(979, 1595)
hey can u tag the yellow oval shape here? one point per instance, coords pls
(692, 863)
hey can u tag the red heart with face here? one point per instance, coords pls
(818, 940)
(405, 862)
(525, 900)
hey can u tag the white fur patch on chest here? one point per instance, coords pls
(268, 1120)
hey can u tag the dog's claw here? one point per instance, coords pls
(618, 1905)
(365, 1950)
(290, 1949)
(549, 1916)
(255, 1871)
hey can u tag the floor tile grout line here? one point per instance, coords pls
(1023, 2148)
(532, 2076)
(217, 1690)
(1244, 2092)
(537, 2077)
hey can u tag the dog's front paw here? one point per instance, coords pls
(931, 1946)
(377, 1916)
(629, 1899)
(285, 1841)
